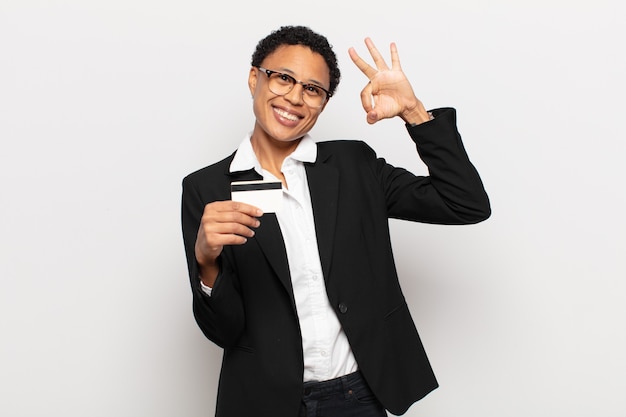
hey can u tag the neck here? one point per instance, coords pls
(271, 154)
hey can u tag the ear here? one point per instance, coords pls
(252, 79)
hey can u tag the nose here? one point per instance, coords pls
(295, 95)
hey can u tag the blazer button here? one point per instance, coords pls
(343, 308)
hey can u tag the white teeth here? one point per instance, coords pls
(286, 115)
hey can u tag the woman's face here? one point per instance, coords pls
(285, 118)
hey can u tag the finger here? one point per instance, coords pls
(366, 98)
(224, 233)
(228, 222)
(210, 246)
(233, 217)
(230, 206)
(213, 236)
(395, 57)
(378, 58)
(361, 64)
(372, 117)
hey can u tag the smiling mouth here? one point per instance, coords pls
(286, 115)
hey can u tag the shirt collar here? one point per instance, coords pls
(245, 158)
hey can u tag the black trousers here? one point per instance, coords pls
(346, 396)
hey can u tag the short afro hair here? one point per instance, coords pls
(299, 35)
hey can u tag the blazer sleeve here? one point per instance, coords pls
(452, 193)
(220, 316)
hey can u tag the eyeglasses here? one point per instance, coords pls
(281, 84)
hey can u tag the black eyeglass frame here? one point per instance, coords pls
(304, 85)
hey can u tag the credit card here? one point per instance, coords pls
(264, 194)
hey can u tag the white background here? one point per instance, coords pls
(106, 105)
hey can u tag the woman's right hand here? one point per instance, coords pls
(223, 223)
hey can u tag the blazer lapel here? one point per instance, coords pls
(269, 237)
(323, 182)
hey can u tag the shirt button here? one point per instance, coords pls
(343, 308)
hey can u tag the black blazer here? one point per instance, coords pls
(251, 313)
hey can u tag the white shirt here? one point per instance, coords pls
(327, 353)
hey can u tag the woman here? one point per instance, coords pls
(305, 301)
